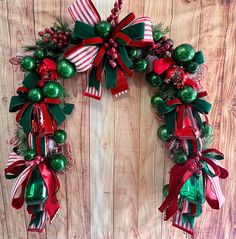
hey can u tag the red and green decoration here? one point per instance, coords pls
(112, 49)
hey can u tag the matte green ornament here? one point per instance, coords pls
(140, 65)
(157, 35)
(39, 54)
(187, 95)
(52, 89)
(206, 130)
(192, 67)
(183, 53)
(58, 162)
(28, 63)
(35, 95)
(180, 157)
(66, 69)
(103, 29)
(156, 99)
(36, 191)
(133, 52)
(153, 79)
(60, 136)
(163, 133)
(193, 190)
(29, 154)
(165, 190)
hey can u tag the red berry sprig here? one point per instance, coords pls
(56, 37)
(163, 46)
(115, 12)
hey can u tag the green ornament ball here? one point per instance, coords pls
(153, 79)
(206, 130)
(60, 136)
(58, 162)
(29, 154)
(180, 157)
(184, 53)
(165, 190)
(157, 35)
(39, 54)
(65, 69)
(163, 133)
(141, 65)
(28, 63)
(156, 99)
(192, 67)
(52, 89)
(187, 95)
(103, 29)
(35, 95)
(133, 52)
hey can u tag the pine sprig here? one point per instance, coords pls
(160, 27)
(22, 141)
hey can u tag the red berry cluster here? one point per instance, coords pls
(115, 11)
(163, 46)
(111, 51)
(56, 37)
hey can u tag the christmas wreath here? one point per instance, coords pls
(111, 50)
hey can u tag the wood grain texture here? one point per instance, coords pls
(120, 167)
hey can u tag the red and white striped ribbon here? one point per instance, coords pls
(148, 37)
(178, 222)
(40, 225)
(82, 57)
(84, 11)
(13, 158)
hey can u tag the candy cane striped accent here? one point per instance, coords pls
(121, 93)
(92, 91)
(38, 225)
(13, 158)
(18, 181)
(148, 37)
(82, 57)
(84, 11)
(178, 222)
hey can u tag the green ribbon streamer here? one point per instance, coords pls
(16, 103)
(135, 32)
(57, 113)
(83, 30)
(111, 76)
(25, 120)
(31, 80)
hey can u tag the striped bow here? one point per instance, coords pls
(98, 55)
(21, 170)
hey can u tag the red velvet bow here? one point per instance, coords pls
(22, 170)
(181, 173)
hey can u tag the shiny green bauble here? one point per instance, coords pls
(183, 53)
(206, 130)
(66, 69)
(35, 95)
(36, 191)
(29, 154)
(192, 67)
(39, 54)
(28, 63)
(133, 52)
(165, 190)
(153, 79)
(140, 65)
(156, 99)
(58, 162)
(163, 133)
(60, 136)
(180, 157)
(52, 89)
(103, 29)
(187, 95)
(157, 35)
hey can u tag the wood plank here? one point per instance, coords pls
(102, 155)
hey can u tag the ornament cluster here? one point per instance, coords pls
(113, 50)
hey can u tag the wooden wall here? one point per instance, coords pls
(120, 167)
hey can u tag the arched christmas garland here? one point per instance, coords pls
(111, 49)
